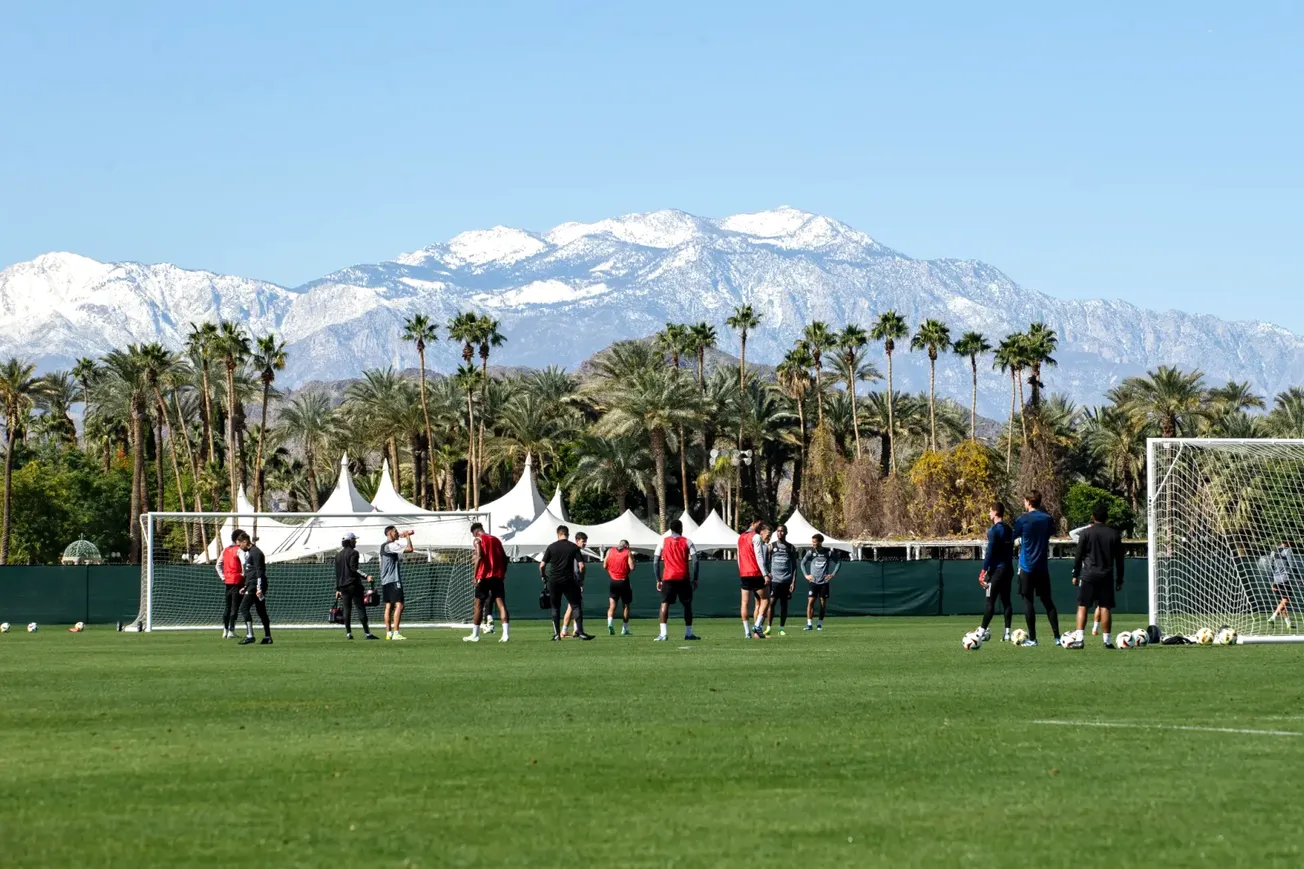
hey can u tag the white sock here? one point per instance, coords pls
(747, 627)
(688, 631)
(506, 627)
(820, 623)
(663, 629)
(808, 623)
(610, 621)
(1108, 637)
(624, 626)
(475, 630)
(1272, 618)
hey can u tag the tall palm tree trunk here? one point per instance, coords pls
(425, 499)
(701, 363)
(194, 470)
(310, 458)
(855, 417)
(258, 453)
(1009, 429)
(683, 467)
(659, 461)
(165, 420)
(742, 387)
(932, 416)
(398, 471)
(233, 474)
(159, 474)
(891, 423)
(137, 480)
(973, 401)
(206, 406)
(1023, 416)
(10, 440)
(470, 450)
(479, 461)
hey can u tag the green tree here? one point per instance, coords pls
(308, 418)
(1286, 419)
(676, 340)
(972, 345)
(617, 466)
(269, 357)
(890, 328)
(1173, 399)
(703, 338)
(933, 336)
(744, 319)
(819, 339)
(19, 389)
(202, 344)
(1039, 343)
(1008, 358)
(232, 347)
(419, 330)
(1081, 499)
(127, 376)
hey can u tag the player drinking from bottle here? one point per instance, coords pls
(489, 563)
(619, 564)
(391, 583)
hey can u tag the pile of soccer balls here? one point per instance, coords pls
(32, 627)
(1224, 637)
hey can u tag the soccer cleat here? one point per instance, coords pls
(348, 636)
(267, 641)
(782, 632)
(661, 639)
(471, 638)
(692, 637)
(370, 637)
(1109, 645)
(246, 641)
(767, 630)
(611, 629)
(389, 635)
(502, 639)
(489, 628)
(1029, 643)
(556, 638)
(565, 635)
(584, 636)
(819, 627)
(226, 635)
(1006, 637)
(1076, 644)
(626, 632)
(809, 628)
(985, 634)
(398, 636)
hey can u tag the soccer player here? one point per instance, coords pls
(391, 583)
(675, 566)
(1283, 573)
(818, 565)
(997, 573)
(255, 590)
(1033, 528)
(1097, 572)
(348, 586)
(489, 561)
(619, 564)
(784, 561)
(581, 540)
(560, 570)
(753, 577)
(233, 582)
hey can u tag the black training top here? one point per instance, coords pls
(255, 570)
(1100, 552)
(346, 567)
(559, 560)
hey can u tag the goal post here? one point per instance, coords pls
(181, 586)
(1226, 536)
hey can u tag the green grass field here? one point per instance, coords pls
(876, 742)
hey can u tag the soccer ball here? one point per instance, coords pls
(1066, 639)
(32, 627)
(1225, 637)
(1142, 637)
(4, 628)
(1204, 637)
(1019, 637)
(972, 641)
(77, 628)
(1125, 640)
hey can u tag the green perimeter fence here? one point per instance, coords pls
(108, 593)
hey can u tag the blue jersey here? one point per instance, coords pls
(1034, 529)
(1000, 547)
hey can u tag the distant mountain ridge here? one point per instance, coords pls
(564, 294)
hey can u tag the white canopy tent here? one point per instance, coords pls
(515, 511)
(557, 507)
(713, 533)
(541, 532)
(626, 526)
(800, 532)
(388, 499)
(690, 527)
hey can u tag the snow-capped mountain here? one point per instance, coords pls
(563, 294)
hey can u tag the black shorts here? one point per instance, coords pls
(392, 592)
(752, 583)
(1096, 591)
(998, 582)
(677, 591)
(619, 590)
(781, 590)
(491, 589)
(817, 590)
(1034, 582)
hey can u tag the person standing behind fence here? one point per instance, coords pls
(348, 586)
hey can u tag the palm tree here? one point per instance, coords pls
(676, 340)
(467, 380)
(161, 365)
(890, 328)
(1228, 408)
(1007, 358)
(232, 347)
(465, 327)
(1286, 419)
(933, 336)
(1171, 398)
(794, 381)
(487, 337)
(615, 466)
(651, 402)
(269, 357)
(56, 396)
(819, 337)
(1039, 342)
(851, 343)
(85, 371)
(1116, 437)
(972, 344)
(307, 417)
(743, 320)
(200, 344)
(19, 389)
(703, 338)
(529, 428)
(420, 330)
(126, 371)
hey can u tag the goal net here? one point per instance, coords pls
(181, 583)
(1226, 537)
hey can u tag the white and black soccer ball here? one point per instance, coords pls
(972, 641)
(1066, 639)
(4, 627)
(1204, 637)
(33, 627)
(1225, 637)
(77, 628)
(1125, 640)
(1019, 636)
(1142, 637)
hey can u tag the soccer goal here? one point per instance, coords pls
(181, 581)
(1225, 520)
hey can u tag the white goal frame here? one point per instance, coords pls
(340, 522)
(1163, 543)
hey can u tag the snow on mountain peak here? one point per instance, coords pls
(661, 229)
(791, 227)
(502, 244)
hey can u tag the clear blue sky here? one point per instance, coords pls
(1146, 150)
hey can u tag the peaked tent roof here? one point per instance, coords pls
(626, 526)
(543, 531)
(690, 527)
(557, 507)
(515, 511)
(388, 499)
(800, 532)
(713, 533)
(346, 498)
